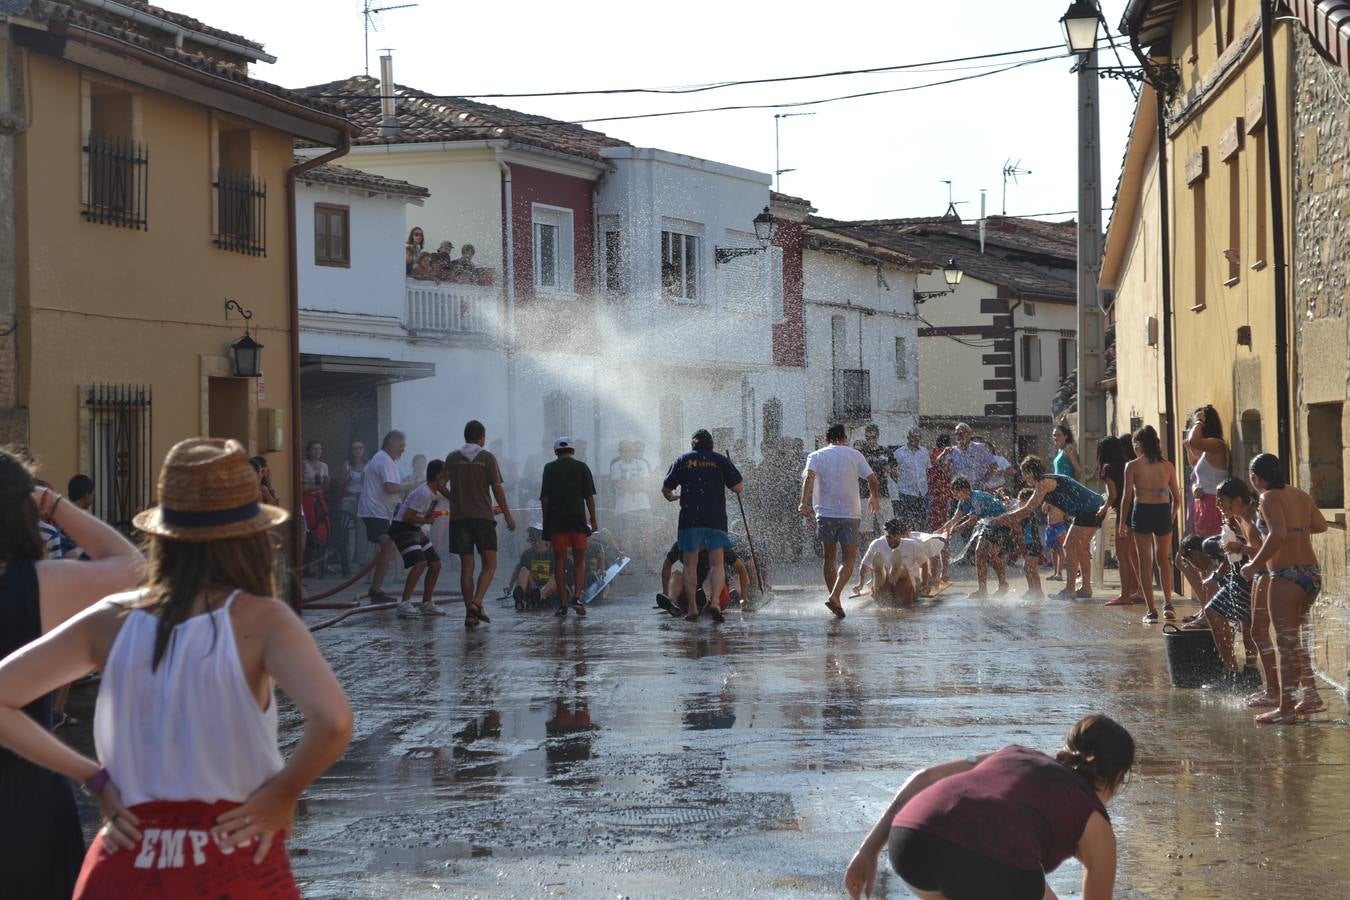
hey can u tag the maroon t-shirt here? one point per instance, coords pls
(1018, 807)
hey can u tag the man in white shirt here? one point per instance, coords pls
(830, 496)
(969, 458)
(380, 491)
(911, 462)
(895, 564)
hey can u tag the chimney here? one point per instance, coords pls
(389, 127)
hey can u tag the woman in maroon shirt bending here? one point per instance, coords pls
(994, 825)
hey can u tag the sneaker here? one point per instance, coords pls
(1083, 594)
(431, 609)
(1169, 613)
(1150, 617)
(406, 610)
(379, 597)
(1063, 594)
(561, 612)
(579, 607)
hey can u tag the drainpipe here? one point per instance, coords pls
(297, 448)
(1283, 413)
(1012, 335)
(509, 276)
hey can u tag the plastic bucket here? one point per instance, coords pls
(1192, 658)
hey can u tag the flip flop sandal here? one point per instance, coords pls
(835, 608)
(480, 615)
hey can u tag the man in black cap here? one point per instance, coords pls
(702, 477)
(567, 495)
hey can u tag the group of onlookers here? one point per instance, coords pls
(439, 264)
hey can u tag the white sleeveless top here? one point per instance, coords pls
(1207, 476)
(190, 730)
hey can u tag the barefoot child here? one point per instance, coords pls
(992, 541)
(1056, 527)
(1033, 527)
(420, 508)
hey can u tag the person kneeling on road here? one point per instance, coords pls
(895, 564)
(406, 532)
(675, 599)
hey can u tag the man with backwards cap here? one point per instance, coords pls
(567, 496)
(702, 477)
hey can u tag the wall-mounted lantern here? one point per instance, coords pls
(245, 353)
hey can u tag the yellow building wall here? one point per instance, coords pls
(1224, 211)
(1139, 365)
(104, 304)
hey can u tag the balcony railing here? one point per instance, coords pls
(241, 214)
(443, 310)
(852, 394)
(117, 182)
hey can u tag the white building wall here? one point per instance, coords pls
(373, 283)
(1053, 322)
(875, 312)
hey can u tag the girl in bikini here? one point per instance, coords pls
(1148, 503)
(1289, 581)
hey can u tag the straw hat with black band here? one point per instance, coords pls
(208, 492)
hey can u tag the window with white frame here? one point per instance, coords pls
(553, 250)
(612, 277)
(681, 256)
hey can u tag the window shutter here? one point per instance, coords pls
(1035, 359)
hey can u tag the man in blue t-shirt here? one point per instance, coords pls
(702, 477)
(991, 541)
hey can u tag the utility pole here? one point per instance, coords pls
(1091, 330)
(778, 170)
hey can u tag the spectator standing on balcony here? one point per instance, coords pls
(830, 495)
(461, 270)
(380, 490)
(910, 499)
(417, 241)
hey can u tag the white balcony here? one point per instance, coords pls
(444, 311)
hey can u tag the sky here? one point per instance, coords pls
(876, 157)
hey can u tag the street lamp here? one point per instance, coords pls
(952, 274)
(1080, 26)
(766, 226)
(245, 353)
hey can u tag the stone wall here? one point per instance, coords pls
(1320, 270)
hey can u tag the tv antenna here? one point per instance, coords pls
(778, 169)
(951, 203)
(1011, 169)
(371, 16)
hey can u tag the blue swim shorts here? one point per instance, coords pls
(691, 540)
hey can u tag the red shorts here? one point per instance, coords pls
(568, 540)
(1206, 520)
(178, 857)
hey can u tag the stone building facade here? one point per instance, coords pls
(1320, 272)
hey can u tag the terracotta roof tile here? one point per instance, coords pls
(342, 176)
(427, 118)
(64, 14)
(188, 22)
(1031, 258)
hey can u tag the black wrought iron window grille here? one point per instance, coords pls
(117, 183)
(119, 451)
(241, 214)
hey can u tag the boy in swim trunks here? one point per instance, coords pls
(417, 510)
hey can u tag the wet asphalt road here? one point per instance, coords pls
(633, 755)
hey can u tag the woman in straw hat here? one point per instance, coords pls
(193, 789)
(40, 840)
